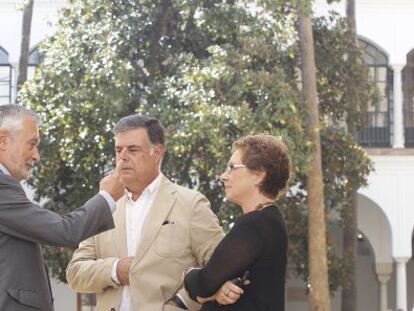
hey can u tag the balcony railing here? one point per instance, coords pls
(409, 121)
(377, 133)
(409, 137)
(408, 112)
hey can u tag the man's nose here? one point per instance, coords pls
(123, 154)
(36, 155)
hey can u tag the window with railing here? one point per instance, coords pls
(34, 61)
(408, 91)
(376, 132)
(5, 77)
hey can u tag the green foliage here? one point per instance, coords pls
(343, 86)
(211, 71)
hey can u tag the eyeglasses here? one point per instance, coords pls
(231, 167)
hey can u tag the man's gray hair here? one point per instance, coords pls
(12, 114)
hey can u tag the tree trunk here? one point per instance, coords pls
(319, 299)
(350, 16)
(158, 32)
(25, 44)
(350, 230)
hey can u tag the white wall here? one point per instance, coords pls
(391, 187)
(373, 223)
(64, 297)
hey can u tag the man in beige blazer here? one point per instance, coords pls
(161, 229)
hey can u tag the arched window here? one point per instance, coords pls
(34, 61)
(408, 91)
(377, 117)
(5, 77)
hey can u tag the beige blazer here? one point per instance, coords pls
(180, 231)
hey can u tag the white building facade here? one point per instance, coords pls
(385, 270)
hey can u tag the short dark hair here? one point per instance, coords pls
(154, 128)
(269, 154)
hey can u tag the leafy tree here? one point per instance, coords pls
(212, 71)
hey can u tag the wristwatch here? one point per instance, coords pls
(180, 304)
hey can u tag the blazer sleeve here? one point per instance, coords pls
(86, 273)
(235, 254)
(205, 233)
(205, 230)
(21, 218)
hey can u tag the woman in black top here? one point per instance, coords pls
(257, 172)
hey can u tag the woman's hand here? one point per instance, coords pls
(228, 294)
(202, 300)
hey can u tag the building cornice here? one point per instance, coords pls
(390, 151)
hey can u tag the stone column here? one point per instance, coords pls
(383, 270)
(398, 141)
(401, 283)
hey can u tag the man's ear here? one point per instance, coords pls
(4, 137)
(159, 151)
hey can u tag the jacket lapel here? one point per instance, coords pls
(120, 228)
(158, 213)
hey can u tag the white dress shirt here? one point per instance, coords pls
(135, 213)
(4, 169)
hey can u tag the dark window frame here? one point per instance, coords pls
(408, 100)
(375, 134)
(4, 63)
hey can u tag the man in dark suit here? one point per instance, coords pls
(24, 225)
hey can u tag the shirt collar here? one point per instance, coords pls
(150, 189)
(4, 169)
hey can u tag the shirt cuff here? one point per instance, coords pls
(109, 199)
(113, 272)
(191, 268)
(182, 300)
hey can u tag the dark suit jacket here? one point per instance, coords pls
(23, 227)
